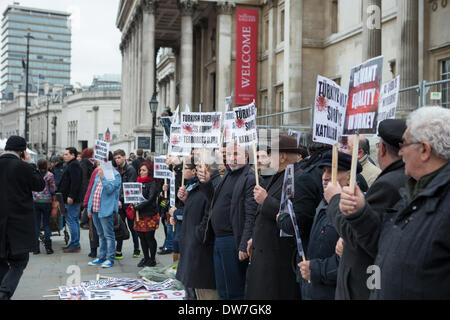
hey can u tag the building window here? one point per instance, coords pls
(334, 16)
(445, 88)
(282, 25)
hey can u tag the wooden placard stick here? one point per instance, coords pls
(334, 165)
(354, 161)
(256, 163)
(137, 215)
(165, 191)
(182, 176)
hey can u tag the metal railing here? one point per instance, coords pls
(422, 89)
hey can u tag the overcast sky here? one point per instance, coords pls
(95, 37)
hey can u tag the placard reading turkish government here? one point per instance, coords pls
(363, 97)
(101, 150)
(246, 55)
(160, 169)
(132, 192)
(175, 143)
(329, 111)
(388, 101)
(201, 129)
(245, 129)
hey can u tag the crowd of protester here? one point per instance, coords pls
(386, 239)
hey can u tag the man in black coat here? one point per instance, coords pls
(196, 264)
(382, 195)
(270, 275)
(321, 266)
(17, 221)
(128, 174)
(230, 221)
(411, 240)
(139, 159)
(71, 188)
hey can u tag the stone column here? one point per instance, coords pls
(148, 59)
(223, 52)
(371, 22)
(293, 61)
(187, 8)
(133, 74)
(172, 92)
(139, 93)
(408, 60)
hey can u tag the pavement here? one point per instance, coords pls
(45, 272)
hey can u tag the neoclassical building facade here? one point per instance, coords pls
(297, 40)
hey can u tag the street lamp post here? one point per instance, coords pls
(28, 36)
(153, 108)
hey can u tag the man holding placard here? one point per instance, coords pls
(128, 174)
(270, 274)
(231, 221)
(322, 263)
(383, 194)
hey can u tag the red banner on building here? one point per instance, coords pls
(246, 55)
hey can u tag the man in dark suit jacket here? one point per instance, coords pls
(230, 221)
(71, 188)
(382, 195)
(17, 222)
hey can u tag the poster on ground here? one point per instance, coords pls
(388, 100)
(329, 111)
(363, 97)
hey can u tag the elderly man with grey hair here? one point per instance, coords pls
(412, 240)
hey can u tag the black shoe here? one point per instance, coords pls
(36, 251)
(48, 246)
(142, 263)
(150, 263)
(72, 250)
(165, 251)
(93, 253)
(160, 248)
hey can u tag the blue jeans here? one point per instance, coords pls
(43, 211)
(168, 244)
(229, 271)
(73, 223)
(106, 237)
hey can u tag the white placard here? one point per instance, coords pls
(108, 170)
(388, 100)
(176, 147)
(201, 129)
(245, 125)
(160, 169)
(132, 192)
(101, 150)
(329, 111)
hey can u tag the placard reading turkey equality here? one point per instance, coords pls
(363, 97)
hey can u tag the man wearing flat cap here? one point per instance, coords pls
(319, 271)
(17, 221)
(382, 195)
(270, 275)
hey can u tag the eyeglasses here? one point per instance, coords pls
(404, 145)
